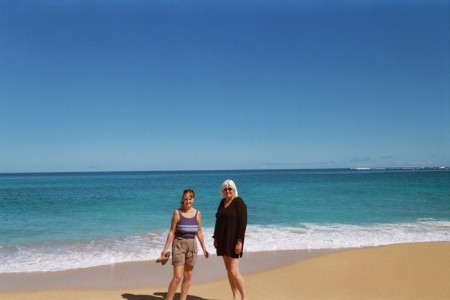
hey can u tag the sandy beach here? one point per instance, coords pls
(402, 271)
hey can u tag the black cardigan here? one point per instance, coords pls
(231, 224)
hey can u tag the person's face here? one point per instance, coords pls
(228, 192)
(188, 200)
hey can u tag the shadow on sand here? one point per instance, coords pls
(159, 296)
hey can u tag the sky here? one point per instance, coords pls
(206, 85)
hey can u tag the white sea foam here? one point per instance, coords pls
(73, 255)
(335, 236)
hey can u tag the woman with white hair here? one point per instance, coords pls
(229, 235)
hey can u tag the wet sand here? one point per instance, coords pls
(403, 271)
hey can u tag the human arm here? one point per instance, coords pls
(200, 235)
(170, 235)
(238, 247)
(216, 231)
(241, 210)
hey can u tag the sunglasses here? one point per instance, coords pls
(228, 189)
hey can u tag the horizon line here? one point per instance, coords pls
(230, 170)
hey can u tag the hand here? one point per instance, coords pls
(215, 243)
(206, 253)
(238, 248)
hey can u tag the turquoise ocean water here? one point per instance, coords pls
(73, 220)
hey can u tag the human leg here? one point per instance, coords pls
(235, 278)
(178, 262)
(190, 258)
(176, 279)
(187, 276)
(234, 290)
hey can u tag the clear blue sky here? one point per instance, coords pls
(195, 85)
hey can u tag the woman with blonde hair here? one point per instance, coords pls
(229, 235)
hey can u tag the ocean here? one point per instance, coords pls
(60, 221)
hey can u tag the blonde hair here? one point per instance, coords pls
(229, 183)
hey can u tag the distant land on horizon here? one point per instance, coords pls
(231, 170)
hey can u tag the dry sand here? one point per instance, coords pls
(404, 271)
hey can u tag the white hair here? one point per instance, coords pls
(230, 183)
